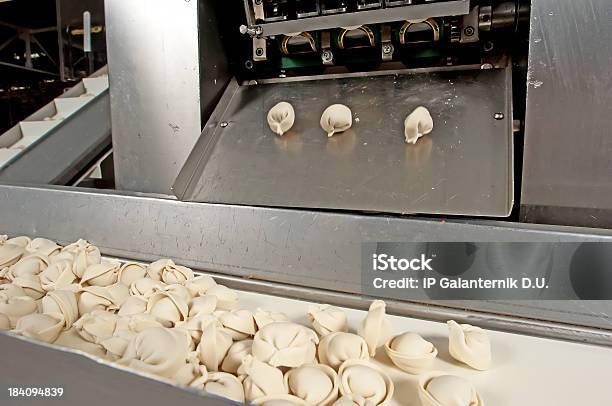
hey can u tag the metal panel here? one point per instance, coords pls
(464, 167)
(69, 148)
(412, 12)
(567, 176)
(155, 89)
(318, 250)
(33, 364)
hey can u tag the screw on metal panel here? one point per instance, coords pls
(248, 64)
(469, 31)
(326, 55)
(223, 124)
(387, 49)
(498, 116)
(485, 66)
(258, 2)
(259, 51)
(488, 46)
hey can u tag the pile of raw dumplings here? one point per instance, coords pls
(162, 319)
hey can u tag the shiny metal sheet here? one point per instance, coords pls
(463, 168)
(567, 176)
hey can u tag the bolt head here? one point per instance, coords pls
(469, 31)
(223, 124)
(498, 116)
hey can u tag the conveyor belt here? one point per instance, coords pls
(58, 141)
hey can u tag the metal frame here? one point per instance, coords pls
(383, 15)
(314, 255)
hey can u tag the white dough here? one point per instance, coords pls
(327, 319)
(281, 118)
(84, 254)
(158, 350)
(236, 355)
(335, 348)
(470, 345)
(411, 353)
(336, 118)
(103, 274)
(285, 344)
(264, 317)
(317, 384)
(417, 124)
(363, 378)
(239, 324)
(447, 390)
(352, 400)
(224, 385)
(167, 271)
(213, 346)
(375, 328)
(261, 379)
(167, 307)
(130, 272)
(42, 327)
(61, 304)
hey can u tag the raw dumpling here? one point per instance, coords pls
(470, 345)
(317, 384)
(264, 317)
(261, 379)
(15, 304)
(417, 124)
(335, 348)
(363, 378)
(61, 304)
(84, 254)
(227, 299)
(222, 384)
(336, 118)
(327, 319)
(281, 118)
(447, 390)
(213, 346)
(410, 352)
(167, 271)
(130, 272)
(103, 274)
(239, 324)
(168, 307)
(102, 297)
(375, 328)
(158, 350)
(42, 327)
(285, 344)
(236, 354)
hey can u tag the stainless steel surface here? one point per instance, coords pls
(412, 12)
(69, 148)
(154, 72)
(317, 250)
(567, 175)
(33, 364)
(463, 167)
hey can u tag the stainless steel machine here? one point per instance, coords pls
(520, 96)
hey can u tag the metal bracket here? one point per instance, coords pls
(470, 27)
(327, 56)
(387, 47)
(259, 49)
(258, 10)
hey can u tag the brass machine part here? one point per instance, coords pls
(433, 24)
(287, 38)
(363, 28)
